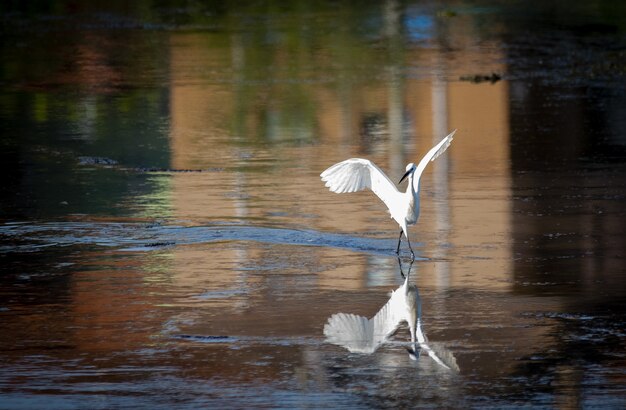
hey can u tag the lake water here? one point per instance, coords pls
(166, 242)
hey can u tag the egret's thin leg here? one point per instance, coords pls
(399, 240)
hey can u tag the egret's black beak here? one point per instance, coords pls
(406, 174)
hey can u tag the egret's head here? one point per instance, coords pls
(410, 168)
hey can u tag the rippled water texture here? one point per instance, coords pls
(166, 242)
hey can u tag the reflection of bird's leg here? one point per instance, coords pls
(399, 240)
(411, 249)
(400, 265)
(408, 271)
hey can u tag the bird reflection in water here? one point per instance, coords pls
(361, 335)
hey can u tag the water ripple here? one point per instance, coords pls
(141, 237)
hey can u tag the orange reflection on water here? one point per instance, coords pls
(262, 177)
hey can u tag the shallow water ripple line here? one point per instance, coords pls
(250, 340)
(139, 237)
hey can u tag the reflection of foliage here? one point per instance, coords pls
(92, 78)
(79, 82)
(285, 52)
(280, 52)
(41, 150)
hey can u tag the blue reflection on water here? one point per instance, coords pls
(147, 237)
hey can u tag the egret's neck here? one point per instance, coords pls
(414, 185)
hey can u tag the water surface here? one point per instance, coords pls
(165, 240)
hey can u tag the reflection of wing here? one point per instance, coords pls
(361, 335)
(444, 357)
(437, 352)
(389, 317)
(356, 174)
(353, 332)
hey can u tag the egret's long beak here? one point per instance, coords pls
(406, 174)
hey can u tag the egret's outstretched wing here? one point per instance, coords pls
(434, 152)
(357, 174)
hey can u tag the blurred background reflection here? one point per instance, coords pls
(161, 164)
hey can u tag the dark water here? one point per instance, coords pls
(165, 240)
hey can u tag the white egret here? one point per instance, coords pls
(356, 174)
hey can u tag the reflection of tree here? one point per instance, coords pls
(279, 66)
(79, 92)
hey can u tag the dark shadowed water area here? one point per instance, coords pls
(166, 241)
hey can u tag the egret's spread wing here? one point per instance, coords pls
(434, 152)
(357, 174)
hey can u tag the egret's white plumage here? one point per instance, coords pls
(357, 174)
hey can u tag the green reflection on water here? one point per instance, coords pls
(94, 79)
(46, 144)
